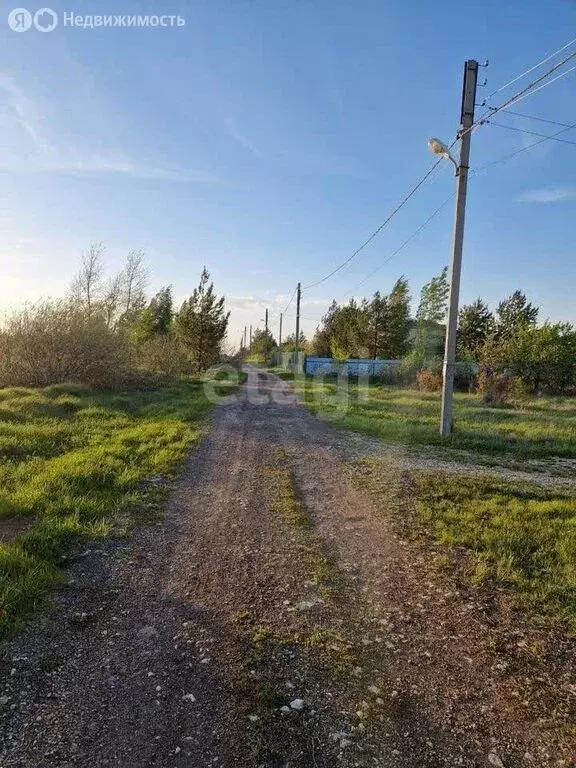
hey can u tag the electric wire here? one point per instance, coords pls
(380, 228)
(529, 90)
(291, 300)
(532, 133)
(531, 69)
(539, 119)
(404, 244)
(505, 158)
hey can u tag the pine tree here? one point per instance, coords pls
(378, 324)
(155, 319)
(434, 299)
(431, 315)
(201, 324)
(263, 344)
(322, 337)
(394, 342)
(475, 325)
(514, 313)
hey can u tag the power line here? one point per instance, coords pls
(529, 90)
(539, 119)
(404, 244)
(491, 111)
(541, 81)
(535, 90)
(474, 171)
(531, 69)
(523, 149)
(380, 228)
(291, 300)
(532, 133)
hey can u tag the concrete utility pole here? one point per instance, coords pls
(244, 337)
(250, 337)
(297, 340)
(266, 321)
(280, 334)
(466, 122)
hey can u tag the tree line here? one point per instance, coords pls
(508, 341)
(107, 332)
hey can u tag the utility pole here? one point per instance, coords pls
(297, 340)
(250, 337)
(280, 334)
(266, 321)
(244, 337)
(465, 133)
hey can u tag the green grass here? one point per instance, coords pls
(536, 428)
(522, 537)
(72, 464)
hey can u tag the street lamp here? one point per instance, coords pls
(438, 147)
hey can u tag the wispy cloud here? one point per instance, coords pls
(233, 131)
(247, 303)
(547, 195)
(28, 148)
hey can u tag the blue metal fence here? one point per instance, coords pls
(350, 367)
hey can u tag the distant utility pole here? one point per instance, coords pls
(266, 321)
(466, 123)
(297, 340)
(280, 334)
(250, 337)
(244, 337)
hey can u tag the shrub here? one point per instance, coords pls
(429, 381)
(390, 375)
(518, 389)
(465, 377)
(494, 387)
(164, 354)
(54, 342)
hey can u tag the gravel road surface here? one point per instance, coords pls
(276, 616)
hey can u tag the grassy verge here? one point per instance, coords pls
(72, 460)
(520, 538)
(536, 428)
(523, 538)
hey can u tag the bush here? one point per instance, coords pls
(166, 355)
(494, 387)
(53, 342)
(465, 377)
(429, 381)
(390, 375)
(518, 389)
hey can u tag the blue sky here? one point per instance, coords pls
(268, 138)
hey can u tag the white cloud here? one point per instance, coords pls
(247, 303)
(27, 147)
(549, 195)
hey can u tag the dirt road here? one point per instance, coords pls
(277, 617)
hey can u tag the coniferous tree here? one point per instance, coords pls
(201, 324)
(323, 336)
(263, 343)
(394, 343)
(378, 324)
(431, 315)
(156, 318)
(514, 313)
(475, 325)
